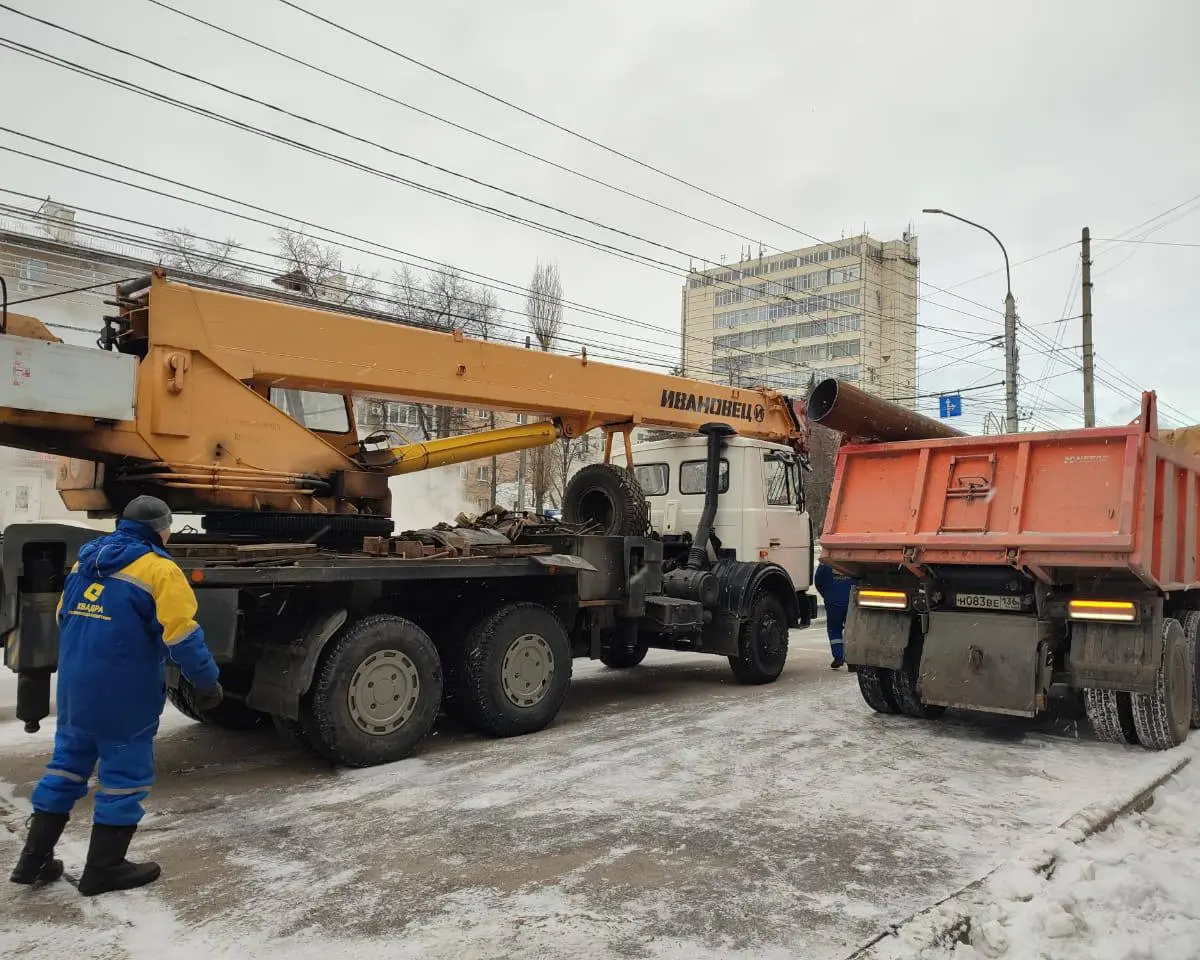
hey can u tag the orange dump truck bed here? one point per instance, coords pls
(1102, 498)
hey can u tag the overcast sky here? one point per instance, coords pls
(1035, 118)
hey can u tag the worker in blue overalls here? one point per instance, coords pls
(835, 592)
(125, 608)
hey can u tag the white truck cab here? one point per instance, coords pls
(760, 513)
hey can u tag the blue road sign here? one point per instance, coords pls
(950, 405)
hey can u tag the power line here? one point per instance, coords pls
(63, 293)
(1149, 243)
(309, 224)
(298, 61)
(131, 87)
(541, 119)
(291, 142)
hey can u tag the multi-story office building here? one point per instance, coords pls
(845, 310)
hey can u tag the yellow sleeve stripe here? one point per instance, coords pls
(174, 600)
(135, 581)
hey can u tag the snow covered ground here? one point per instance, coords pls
(1127, 893)
(669, 813)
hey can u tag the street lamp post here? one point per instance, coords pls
(1010, 327)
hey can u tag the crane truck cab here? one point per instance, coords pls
(761, 514)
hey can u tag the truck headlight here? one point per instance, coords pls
(883, 599)
(1118, 610)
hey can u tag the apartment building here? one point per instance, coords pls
(845, 310)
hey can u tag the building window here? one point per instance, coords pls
(845, 348)
(34, 271)
(481, 473)
(483, 504)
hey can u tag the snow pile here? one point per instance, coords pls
(1131, 891)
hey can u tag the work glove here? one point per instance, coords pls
(209, 699)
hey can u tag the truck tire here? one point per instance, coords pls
(513, 671)
(607, 500)
(183, 704)
(620, 656)
(762, 642)
(902, 684)
(1191, 627)
(376, 692)
(1163, 718)
(292, 731)
(229, 714)
(1110, 712)
(874, 683)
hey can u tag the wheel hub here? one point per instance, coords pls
(383, 692)
(769, 636)
(527, 670)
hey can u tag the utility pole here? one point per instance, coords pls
(1011, 424)
(1089, 370)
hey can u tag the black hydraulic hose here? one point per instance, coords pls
(3, 306)
(716, 434)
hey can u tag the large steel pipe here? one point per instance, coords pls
(860, 416)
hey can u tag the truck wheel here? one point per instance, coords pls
(903, 686)
(1164, 717)
(376, 692)
(1191, 627)
(513, 671)
(607, 500)
(229, 714)
(874, 683)
(1110, 712)
(763, 642)
(620, 656)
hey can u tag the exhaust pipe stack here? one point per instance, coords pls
(862, 417)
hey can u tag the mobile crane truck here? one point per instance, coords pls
(240, 408)
(997, 572)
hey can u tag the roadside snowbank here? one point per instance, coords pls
(1127, 893)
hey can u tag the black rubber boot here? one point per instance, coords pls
(107, 869)
(37, 865)
(837, 664)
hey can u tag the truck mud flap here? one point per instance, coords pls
(285, 671)
(876, 638)
(987, 662)
(1118, 656)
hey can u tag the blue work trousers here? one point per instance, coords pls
(835, 623)
(125, 775)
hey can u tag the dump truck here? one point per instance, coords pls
(997, 573)
(349, 635)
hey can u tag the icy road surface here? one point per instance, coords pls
(668, 813)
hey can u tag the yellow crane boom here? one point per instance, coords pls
(240, 403)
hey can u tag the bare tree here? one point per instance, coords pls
(443, 300)
(543, 308)
(183, 250)
(315, 270)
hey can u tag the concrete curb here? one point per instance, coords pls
(1079, 827)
